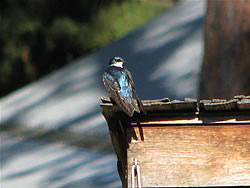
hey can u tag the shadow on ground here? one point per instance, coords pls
(53, 133)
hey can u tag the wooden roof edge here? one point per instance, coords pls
(237, 104)
(106, 100)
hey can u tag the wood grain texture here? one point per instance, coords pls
(192, 155)
(183, 143)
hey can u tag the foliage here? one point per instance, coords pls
(118, 19)
(38, 37)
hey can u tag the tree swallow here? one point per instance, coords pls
(118, 81)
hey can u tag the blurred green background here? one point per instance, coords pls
(38, 37)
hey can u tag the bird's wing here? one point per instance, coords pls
(110, 83)
(114, 89)
(138, 99)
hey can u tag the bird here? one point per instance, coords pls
(119, 83)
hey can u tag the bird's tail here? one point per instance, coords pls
(140, 105)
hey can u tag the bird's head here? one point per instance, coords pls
(117, 62)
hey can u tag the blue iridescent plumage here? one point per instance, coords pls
(119, 83)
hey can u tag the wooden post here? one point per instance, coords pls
(226, 65)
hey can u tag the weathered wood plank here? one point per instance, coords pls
(219, 105)
(217, 155)
(158, 107)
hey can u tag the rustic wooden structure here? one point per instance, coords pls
(183, 143)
